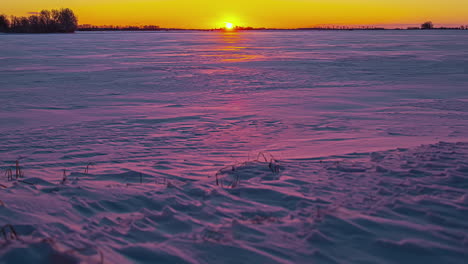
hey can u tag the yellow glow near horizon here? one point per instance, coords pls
(254, 13)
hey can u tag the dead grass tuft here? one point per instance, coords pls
(86, 171)
(263, 157)
(9, 233)
(9, 174)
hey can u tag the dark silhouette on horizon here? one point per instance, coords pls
(53, 21)
(88, 27)
(427, 25)
(65, 21)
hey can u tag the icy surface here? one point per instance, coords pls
(172, 124)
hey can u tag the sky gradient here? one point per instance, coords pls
(256, 13)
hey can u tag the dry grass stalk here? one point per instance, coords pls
(263, 155)
(19, 171)
(9, 233)
(9, 174)
(272, 164)
(64, 178)
(86, 171)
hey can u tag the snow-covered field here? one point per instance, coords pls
(252, 147)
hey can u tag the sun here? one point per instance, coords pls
(228, 25)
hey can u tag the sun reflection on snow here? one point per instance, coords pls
(232, 47)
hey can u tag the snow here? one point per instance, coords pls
(251, 147)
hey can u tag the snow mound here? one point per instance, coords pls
(395, 206)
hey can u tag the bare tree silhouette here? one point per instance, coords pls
(54, 21)
(4, 23)
(46, 21)
(65, 19)
(427, 25)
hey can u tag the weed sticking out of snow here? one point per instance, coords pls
(9, 174)
(64, 177)
(231, 176)
(9, 233)
(86, 171)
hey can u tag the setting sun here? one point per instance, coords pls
(228, 25)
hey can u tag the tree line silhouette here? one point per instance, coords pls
(89, 27)
(46, 21)
(65, 21)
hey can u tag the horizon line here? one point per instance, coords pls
(242, 28)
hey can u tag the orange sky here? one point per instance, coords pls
(256, 13)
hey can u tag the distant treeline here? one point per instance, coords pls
(88, 27)
(65, 21)
(53, 21)
(425, 25)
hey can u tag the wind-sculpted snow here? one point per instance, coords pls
(240, 147)
(397, 206)
(160, 102)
